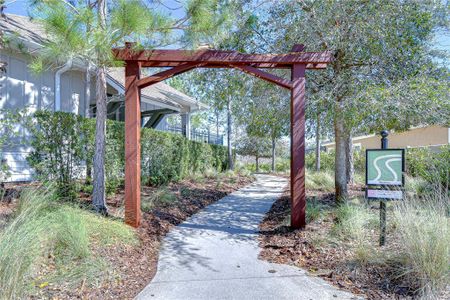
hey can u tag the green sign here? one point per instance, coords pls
(385, 166)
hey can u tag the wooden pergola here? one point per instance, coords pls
(182, 61)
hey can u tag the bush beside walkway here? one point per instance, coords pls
(63, 146)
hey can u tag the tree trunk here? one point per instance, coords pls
(217, 124)
(350, 166)
(230, 149)
(273, 154)
(340, 173)
(87, 95)
(257, 164)
(318, 143)
(98, 194)
(87, 92)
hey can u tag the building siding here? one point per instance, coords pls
(417, 137)
(20, 89)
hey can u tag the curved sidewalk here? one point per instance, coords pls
(214, 255)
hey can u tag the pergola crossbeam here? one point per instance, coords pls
(181, 61)
(265, 76)
(158, 77)
(169, 58)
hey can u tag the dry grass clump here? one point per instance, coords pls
(314, 210)
(320, 181)
(50, 242)
(420, 226)
(354, 224)
(416, 186)
(423, 229)
(162, 197)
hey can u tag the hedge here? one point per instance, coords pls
(433, 165)
(63, 146)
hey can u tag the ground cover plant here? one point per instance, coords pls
(340, 242)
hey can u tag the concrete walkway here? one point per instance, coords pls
(214, 255)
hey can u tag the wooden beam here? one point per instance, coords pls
(182, 61)
(298, 109)
(156, 117)
(298, 48)
(265, 76)
(310, 66)
(166, 58)
(164, 111)
(132, 145)
(155, 78)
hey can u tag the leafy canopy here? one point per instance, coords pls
(75, 32)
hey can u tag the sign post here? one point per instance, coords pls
(384, 145)
(384, 170)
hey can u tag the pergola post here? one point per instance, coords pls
(298, 108)
(186, 125)
(132, 144)
(182, 61)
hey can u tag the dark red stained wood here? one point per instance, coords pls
(266, 76)
(166, 58)
(298, 108)
(298, 48)
(155, 78)
(132, 145)
(183, 61)
(312, 66)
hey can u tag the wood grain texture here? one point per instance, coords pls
(132, 145)
(298, 108)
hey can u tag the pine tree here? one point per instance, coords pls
(86, 31)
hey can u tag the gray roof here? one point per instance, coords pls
(28, 29)
(159, 92)
(23, 27)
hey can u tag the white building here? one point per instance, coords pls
(69, 89)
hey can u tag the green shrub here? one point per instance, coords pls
(58, 149)
(359, 161)
(326, 161)
(263, 167)
(322, 181)
(423, 227)
(63, 146)
(430, 164)
(168, 157)
(283, 165)
(43, 229)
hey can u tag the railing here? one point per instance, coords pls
(199, 135)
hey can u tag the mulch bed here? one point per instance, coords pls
(137, 266)
(330, 260)
(134, 267)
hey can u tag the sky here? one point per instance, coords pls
(172, 7)
(19, 7)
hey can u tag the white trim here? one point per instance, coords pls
(58, 74)
(448, 135)
(186, 123)
(120, 89)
